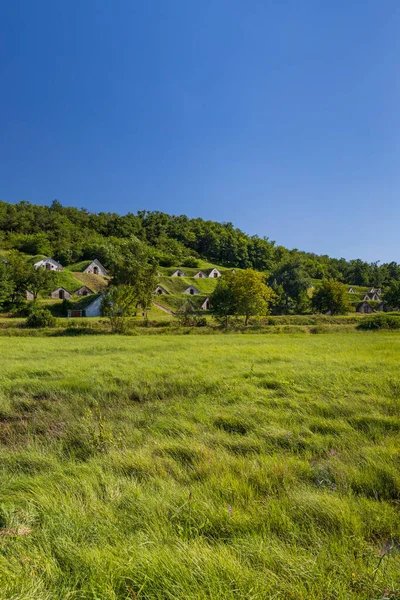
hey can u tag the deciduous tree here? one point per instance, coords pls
(331, 298)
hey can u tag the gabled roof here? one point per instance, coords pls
(48, 259)
(191, 287)
(160, 287)
(175, 273)
(203, 304)
(97, 264)
(84, 287)
(60, 287)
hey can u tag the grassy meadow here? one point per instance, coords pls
(200, 467)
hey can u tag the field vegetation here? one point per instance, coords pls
(155, 468)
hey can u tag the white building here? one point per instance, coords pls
(50, 264)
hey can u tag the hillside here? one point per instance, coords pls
(74, 236)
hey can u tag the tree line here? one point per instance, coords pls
(71, 234)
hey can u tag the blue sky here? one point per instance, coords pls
(279, 116)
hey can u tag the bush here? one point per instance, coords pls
(201, 322)
(190, 261)
(380, 322)
(40, 317)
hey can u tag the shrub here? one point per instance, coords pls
(190, 261)
(380, 322)
(40, 317)
(201, 322)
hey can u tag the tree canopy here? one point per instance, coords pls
(70, 234)
(330, 298)
(244, 293)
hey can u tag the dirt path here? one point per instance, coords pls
(163, 308)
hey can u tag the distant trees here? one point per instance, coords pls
(392, 295)
(6, 284)
(331, 298)
(244, 293)
(71, 234)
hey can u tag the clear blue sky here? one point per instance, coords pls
(281, 116)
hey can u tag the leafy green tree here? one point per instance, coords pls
(252, 295)
(36, 243)
(6, 284)
(223, 300)
(19, 271)
(132, 265)
(118, 304)
(392, 295)
(40, 280)
(244, 293)
(331, 298)
(291, 282)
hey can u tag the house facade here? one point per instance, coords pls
(60, 293)
(96, 268)
(49, 264)
(365, 308)
(84, 291)
(159, 291)
(214, 273)
(206, 305)
(191, 290)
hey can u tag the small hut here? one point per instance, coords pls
(191, 290)
(61, 293)
(364, 307)
(96, 268)
(49, 264)
(214, 273)
(206, 305)
(178, 273)
(84, 291)
(29, 295)
(351, 290)
(160, 291)
(200, 275)
(384, 307)
(371, 296)
(94, 308)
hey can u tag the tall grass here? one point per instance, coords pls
(221, 467)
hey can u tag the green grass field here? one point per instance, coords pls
(197, 467)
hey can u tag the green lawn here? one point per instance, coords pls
(200, 467)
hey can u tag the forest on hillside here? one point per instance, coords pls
(70, 234)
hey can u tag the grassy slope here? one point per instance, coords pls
(68, 280)
(177, 285)
(195, 467)
(79, 267)
(97, 283)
